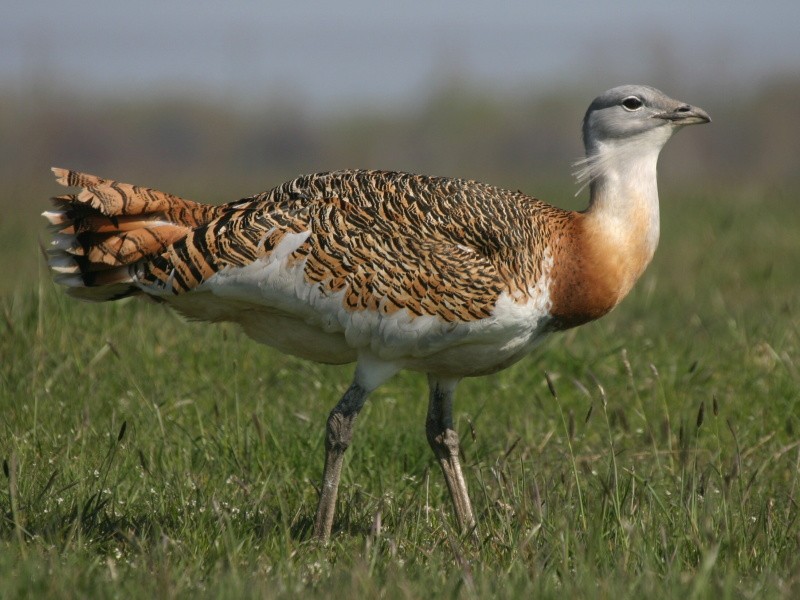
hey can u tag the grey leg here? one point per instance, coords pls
(338, 435)
(444, 443)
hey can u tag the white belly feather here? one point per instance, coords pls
(275, 305)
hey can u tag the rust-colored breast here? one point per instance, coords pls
(587, 278)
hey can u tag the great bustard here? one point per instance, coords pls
(393, 271)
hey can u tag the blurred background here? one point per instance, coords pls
(219, 100)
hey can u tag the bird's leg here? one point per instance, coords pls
(443, 440)
(339, 432)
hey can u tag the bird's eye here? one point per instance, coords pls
(632, 103)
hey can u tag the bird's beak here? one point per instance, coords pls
(685, 114)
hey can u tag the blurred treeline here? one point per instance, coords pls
(457, 130)
(217, 150)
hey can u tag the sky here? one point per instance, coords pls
(330, 55)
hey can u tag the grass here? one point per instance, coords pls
(144, 456)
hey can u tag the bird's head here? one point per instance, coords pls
(636, 113)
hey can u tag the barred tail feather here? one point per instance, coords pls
(100, 233)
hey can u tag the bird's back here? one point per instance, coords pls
(329, 264)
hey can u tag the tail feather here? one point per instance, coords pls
(100, 232)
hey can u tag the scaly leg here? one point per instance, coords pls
(339, 433)
(444, 443)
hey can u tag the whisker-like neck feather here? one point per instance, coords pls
(623, 208)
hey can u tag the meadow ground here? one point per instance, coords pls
(148, 457)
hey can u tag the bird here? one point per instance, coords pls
(388, 270)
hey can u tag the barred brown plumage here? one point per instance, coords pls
(450, 277)
(464, 252)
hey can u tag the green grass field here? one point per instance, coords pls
(149, 457)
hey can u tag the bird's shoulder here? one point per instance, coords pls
(405, 205)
